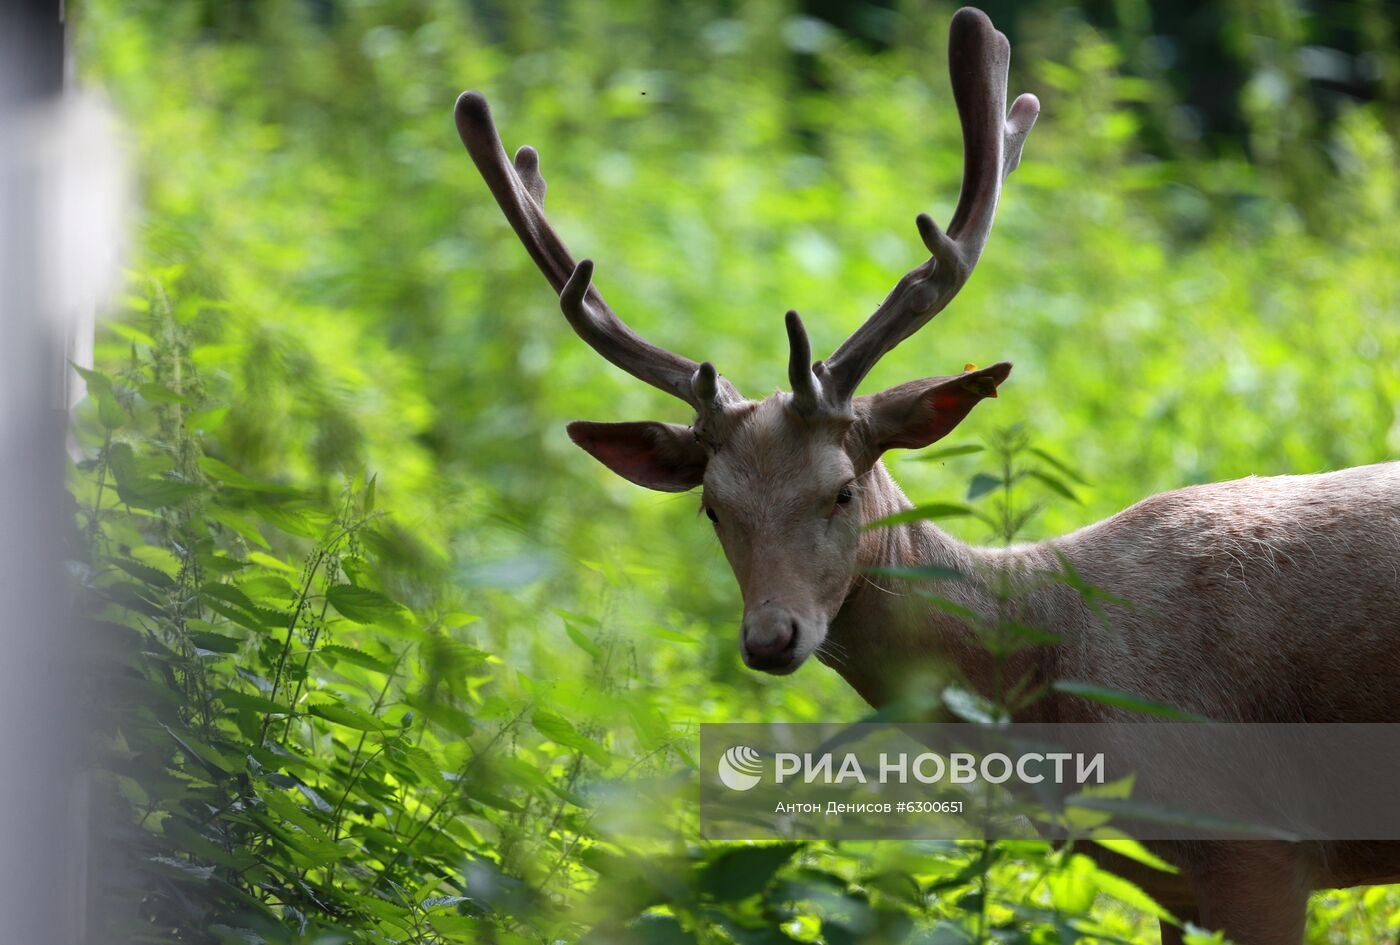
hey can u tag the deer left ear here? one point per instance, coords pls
(913, 415)
(662, 456)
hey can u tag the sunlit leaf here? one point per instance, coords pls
(931, 512)
(365, 606)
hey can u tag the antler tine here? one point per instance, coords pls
(519, 190)
(806, 385)
(978, 58)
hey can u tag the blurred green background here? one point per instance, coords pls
(1194, 270)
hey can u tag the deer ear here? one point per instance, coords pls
(913, 415)
(661, 456)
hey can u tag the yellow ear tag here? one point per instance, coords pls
(969, 366)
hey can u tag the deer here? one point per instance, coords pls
(1265, 599)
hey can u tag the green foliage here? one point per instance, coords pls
(397, 664)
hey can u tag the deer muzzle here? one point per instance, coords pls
(772, 638)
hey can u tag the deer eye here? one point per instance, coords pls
(710, 514)
(845, 495)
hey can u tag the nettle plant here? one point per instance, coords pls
(289, 754)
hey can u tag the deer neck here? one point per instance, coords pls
(892, 642)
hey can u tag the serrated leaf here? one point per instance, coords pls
(438, 902)
(350, 716)
(364, 606)
(334, 653)
(242, 701)
(144, 572)
(228, 594)
(209, 756)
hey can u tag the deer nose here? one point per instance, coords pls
(769, 638)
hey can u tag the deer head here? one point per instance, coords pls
(782, 477)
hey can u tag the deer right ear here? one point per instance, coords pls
(662, 456)
(913, 415)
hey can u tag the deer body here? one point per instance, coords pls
(1257, 600)
(1263, 599)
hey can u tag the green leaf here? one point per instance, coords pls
(441, 902)
(1123, 700)
(948, 452)
(229, 477)
(215, 642)
(158, 394)
(981, 484)
(299, 522)
(1064, 468)
(1055, 485)
(561, 731)
(242, 701)
(919, 513)
(671, 636)
(364, 606)
(130, 333)
(267, 561)
(342, 713)
(316, 800)
(96, 380)
(335, 653)
(1118, 842)
(155, 493)
(236, 523)
(228, 594)
(109, 412)
(144, 572)
(199, 751)
(582, 642)
(740, 872)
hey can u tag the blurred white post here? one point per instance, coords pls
(56, 250)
